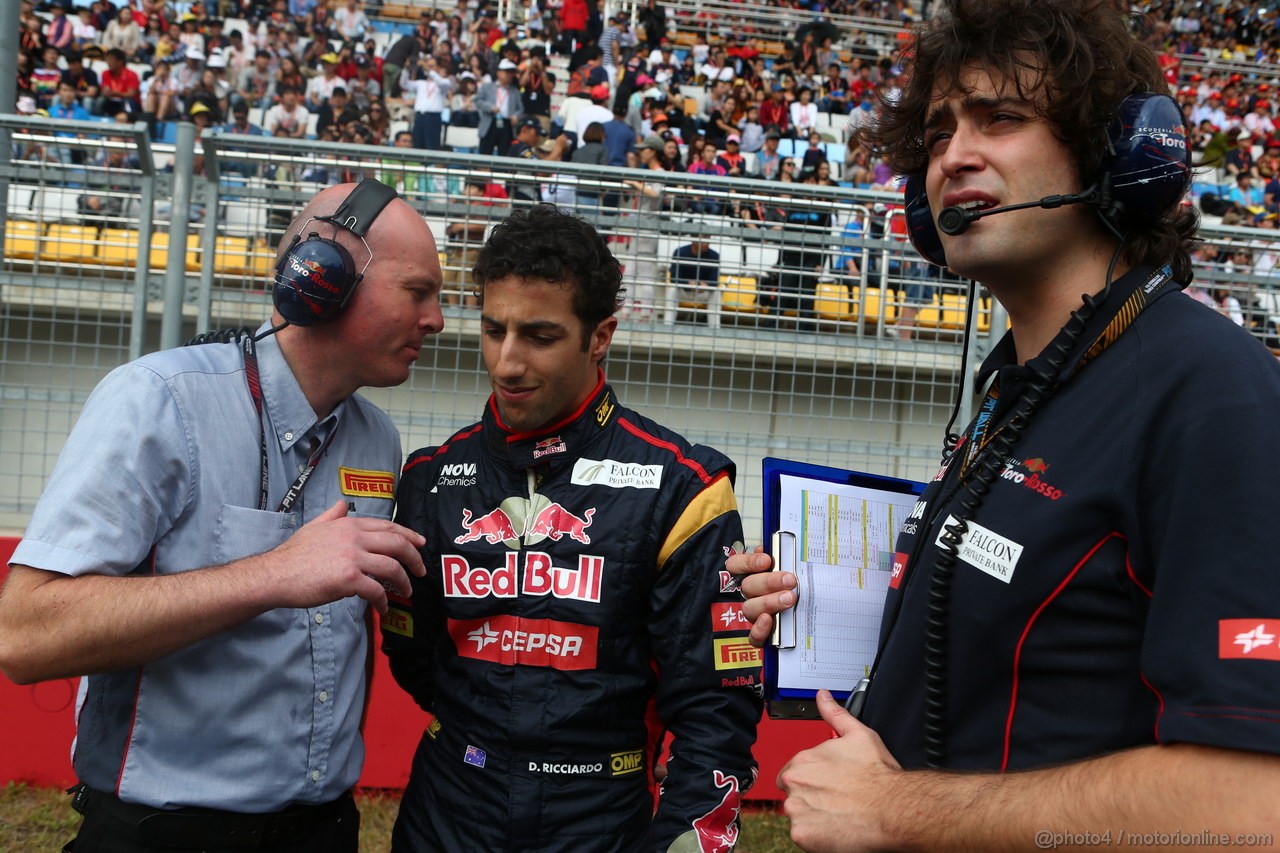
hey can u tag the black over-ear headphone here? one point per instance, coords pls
(1146, 171)
(317, 275)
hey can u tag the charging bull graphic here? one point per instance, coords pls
(530, 521)
(494, 526)
(718, 828)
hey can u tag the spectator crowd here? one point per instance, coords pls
(675, 91)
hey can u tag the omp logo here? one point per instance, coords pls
(623, 763)
(367, 484)
(1249, 638)
(604, 410)
(513, 641)
(735, 654)
(616, 475)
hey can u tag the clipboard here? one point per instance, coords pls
(784, 544)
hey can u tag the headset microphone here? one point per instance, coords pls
(956, 220)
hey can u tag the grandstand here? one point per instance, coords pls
(118, 244)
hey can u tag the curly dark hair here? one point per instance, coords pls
(541, 242)
(1076, 59)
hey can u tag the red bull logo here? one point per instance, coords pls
(554, 522)
(493, 527)
(547, 446)
(538, 576)
(718, 828)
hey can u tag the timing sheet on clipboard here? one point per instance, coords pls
(838, 539)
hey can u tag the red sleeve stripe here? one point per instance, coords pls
(668, 446)
(462, 436)
(1017, 656)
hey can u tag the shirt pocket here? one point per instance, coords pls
(244, 532)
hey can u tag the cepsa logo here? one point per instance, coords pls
(728, 617)
(1027, 474)
(512, 641)
(1248, 638)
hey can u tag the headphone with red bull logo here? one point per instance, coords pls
(1146, 170)
(316, 276)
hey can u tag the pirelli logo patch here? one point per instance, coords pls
(356, 483)
(736, 653)
(398, 621)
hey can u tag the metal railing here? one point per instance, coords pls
(751, 370)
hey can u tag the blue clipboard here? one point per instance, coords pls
(785, 702)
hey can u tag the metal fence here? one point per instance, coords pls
(107, 256)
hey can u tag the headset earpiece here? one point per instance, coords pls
(314, 280)
(1146, 171)
(1149, 167)
(920, 225)
(316, 276)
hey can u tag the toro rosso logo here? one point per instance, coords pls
(313, 272)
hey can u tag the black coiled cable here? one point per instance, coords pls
(231, 334)
(1041, 387)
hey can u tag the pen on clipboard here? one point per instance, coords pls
(784, 560)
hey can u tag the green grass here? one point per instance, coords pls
(41, 819)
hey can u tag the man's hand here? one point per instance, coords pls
(766, 592)
(334, 556)
(836, 791)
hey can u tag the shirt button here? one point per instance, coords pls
(324, 696)
(288, 436)
(319, 618)
(315, 775)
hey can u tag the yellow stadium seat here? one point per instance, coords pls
(872, 305)
(70, 244)
(160, 251)
(20, 239)
(119, 247)
(738, 293)
(231, 256)
(945, 312)
(832, 302)
(262, 260)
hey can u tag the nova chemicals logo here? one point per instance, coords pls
(459, 474)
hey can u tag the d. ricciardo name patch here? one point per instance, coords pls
(367, 484)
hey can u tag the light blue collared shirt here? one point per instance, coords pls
(160, 476)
